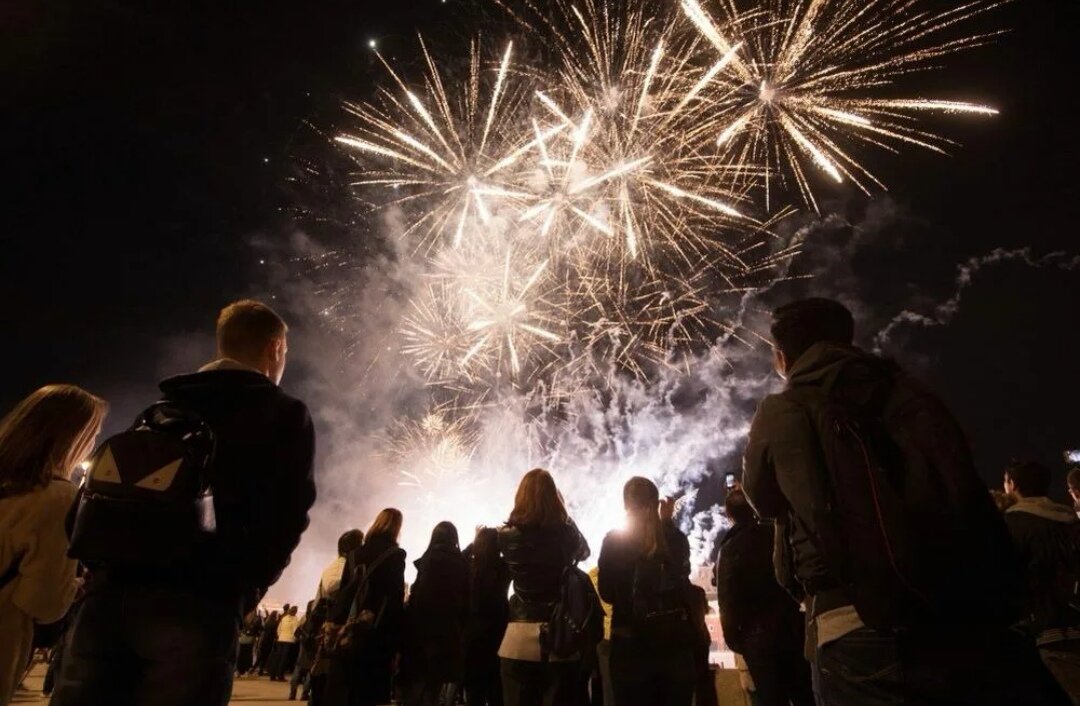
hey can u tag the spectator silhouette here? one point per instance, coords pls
(432, 660)
(904, 561)
(1046, 536)
(41, 441)
(489, 583)
(761, 621)
(148, 633)
(538, 542)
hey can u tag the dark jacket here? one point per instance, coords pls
(618, 558)
(756, 613)
(365, 676)
(489, 612)
(433, 649)
(385, 595)
(536, 558)
(963, 546)
(261, 479)
(1042, 532)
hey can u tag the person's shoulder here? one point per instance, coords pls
(60, 492)
(782, 402)
(612, 539)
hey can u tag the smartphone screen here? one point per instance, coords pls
(729, 480)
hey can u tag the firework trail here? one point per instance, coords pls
(801, 85)
(944, 312)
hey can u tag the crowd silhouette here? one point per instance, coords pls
(866, 562)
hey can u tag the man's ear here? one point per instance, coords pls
(780, 362)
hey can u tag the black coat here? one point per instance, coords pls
(435, 618)
(364, 678)
(618, 560)
(489, 610)
(262, 479)
(756, 613)
(536, 558)
(1044, 534)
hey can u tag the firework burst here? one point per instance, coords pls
(444, 157)
(805, 83)
(431, 451)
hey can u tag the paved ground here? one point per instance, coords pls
(260, 692)
(248, 692)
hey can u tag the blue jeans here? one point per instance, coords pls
(148, 646)
(963, 667)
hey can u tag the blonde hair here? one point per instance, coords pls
(387, 524)
(245, 327)
(538, 502)
(46, 435)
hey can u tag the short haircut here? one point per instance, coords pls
(738, 508)
(1073, 479)
(245, 327)
(804, 322)
(1031, 478)
(350, 542)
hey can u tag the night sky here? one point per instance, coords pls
(146, 145)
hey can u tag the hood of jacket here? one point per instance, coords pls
(1045, 508)
(820, 360)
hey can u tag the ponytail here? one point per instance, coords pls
(642, 501)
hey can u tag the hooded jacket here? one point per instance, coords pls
(261, 479)
(783, 476)
(964, 551)
(1040, 530)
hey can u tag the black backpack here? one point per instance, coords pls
(146, 497)
(577, 621)
(660, 597)
(906, 524)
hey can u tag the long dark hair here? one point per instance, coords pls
(538, 502)
(642, 501)
(444, 536)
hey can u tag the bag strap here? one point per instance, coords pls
(369, 569)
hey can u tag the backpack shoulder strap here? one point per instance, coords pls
(368, 570)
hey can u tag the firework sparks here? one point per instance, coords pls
(802, 80)
(601, 203)
(506, 323)
(450, 153)
(429, 451)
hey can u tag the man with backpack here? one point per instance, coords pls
(1047, 537)
(885, 526)
(185, 520)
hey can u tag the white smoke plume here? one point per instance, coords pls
(946, 310)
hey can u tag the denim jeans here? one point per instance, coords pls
(963, 667)
(148, 646)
